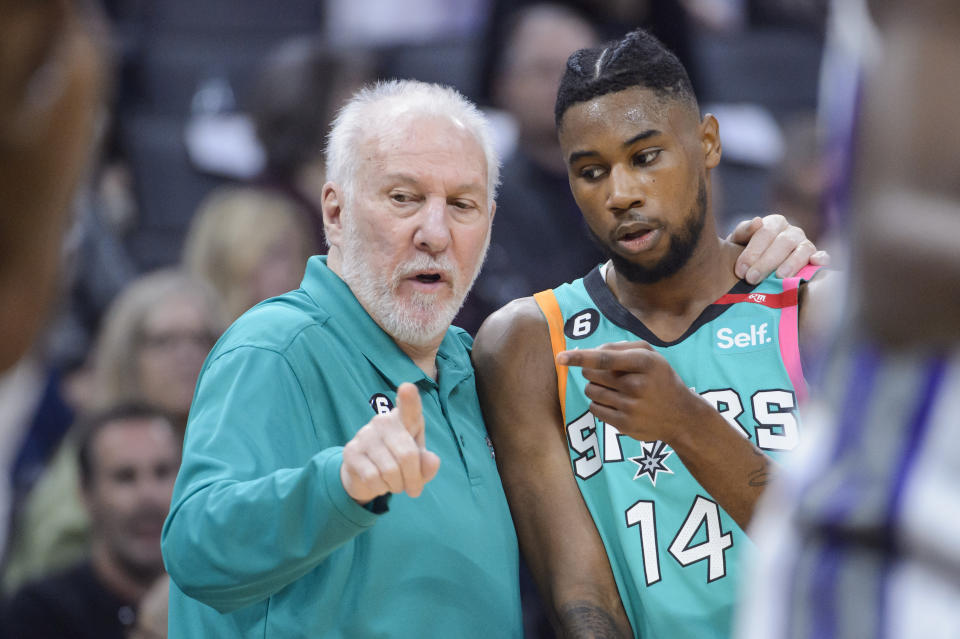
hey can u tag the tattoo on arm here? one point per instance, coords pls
(583, 619)
(761, 475)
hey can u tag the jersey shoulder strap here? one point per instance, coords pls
(547, 301)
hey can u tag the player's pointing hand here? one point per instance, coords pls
(389, 455)
(634, 388)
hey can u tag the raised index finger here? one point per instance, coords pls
(618, 356)
(411, 411)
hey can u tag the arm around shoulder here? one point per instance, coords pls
(517, 384)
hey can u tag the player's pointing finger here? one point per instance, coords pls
(620, 356)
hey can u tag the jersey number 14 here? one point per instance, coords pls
(703, 513)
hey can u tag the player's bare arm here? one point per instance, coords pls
(517, 384)
(634, 388)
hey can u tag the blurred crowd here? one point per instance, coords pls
(201, 199)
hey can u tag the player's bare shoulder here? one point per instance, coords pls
(516, 329)
(514, 363)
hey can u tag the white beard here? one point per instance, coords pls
(419, 319)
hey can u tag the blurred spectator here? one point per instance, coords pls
(127, 458)
(153, 342)
(538, 232)
(249, 244)
(297, 91)
(151, 347)
(666, 19)
(798, 181)
(51, 84)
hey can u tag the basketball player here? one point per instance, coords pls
(634, 411)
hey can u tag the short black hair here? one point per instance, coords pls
(639, 59)
(90, 426)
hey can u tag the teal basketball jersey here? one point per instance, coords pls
(675, 553)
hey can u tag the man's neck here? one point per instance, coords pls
(669, 306)
(124, 585)
(425, 357)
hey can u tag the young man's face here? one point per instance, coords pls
(134, 464)
(637, 166)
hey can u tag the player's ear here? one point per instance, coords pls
(331, 204)
(709, 131)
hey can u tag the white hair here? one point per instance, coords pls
(377, 109)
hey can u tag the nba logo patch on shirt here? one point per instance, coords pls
(743, 337)
(490, 446)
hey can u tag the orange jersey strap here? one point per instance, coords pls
(547, 302)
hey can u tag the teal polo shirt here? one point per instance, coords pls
(263, 541)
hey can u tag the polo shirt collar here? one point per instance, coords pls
(336, 299)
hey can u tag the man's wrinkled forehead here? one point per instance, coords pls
(418, 134)
(421, 148)
(402, 123)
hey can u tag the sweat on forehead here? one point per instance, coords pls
(639, 110)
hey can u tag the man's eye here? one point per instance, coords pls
(592, 172)
(463, 204)
(646, 157)
(123, 476)
(401, 197)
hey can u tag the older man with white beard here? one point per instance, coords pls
(294, 513)
(303, 508)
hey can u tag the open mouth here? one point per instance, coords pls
(637, 237)
(635, 234)
(428, 278)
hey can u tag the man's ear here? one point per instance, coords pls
(710, 141)
(331, 204)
